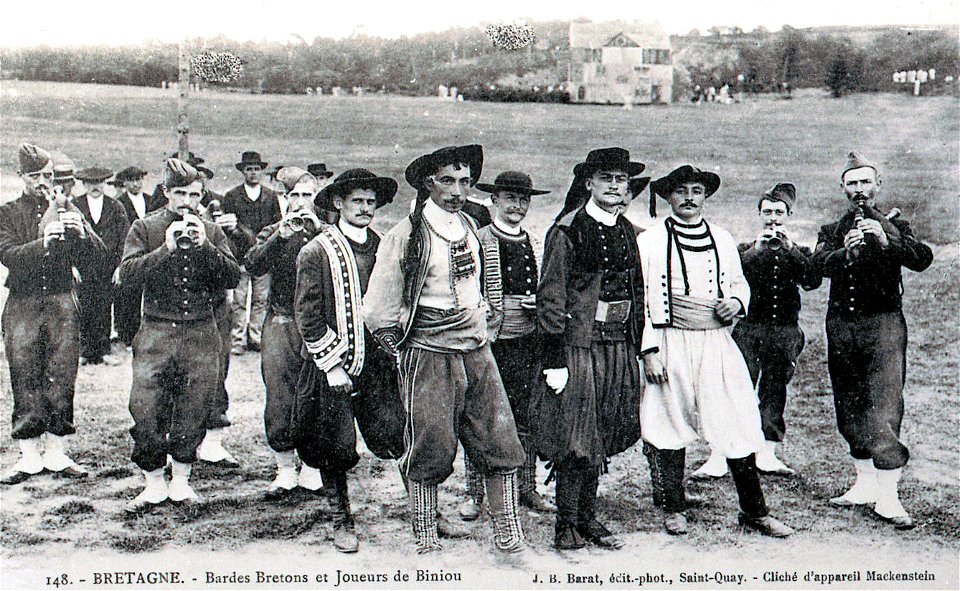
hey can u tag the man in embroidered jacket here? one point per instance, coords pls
(862, 253)
(184, 265)
(511, 271)
(40, 246)
(425, 301)
(349, 378)
(698, 384)
(588, 307)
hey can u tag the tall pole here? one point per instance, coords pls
(183, 126)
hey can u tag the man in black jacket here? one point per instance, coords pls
(256, 207)
(184, 264)
(41, 240)
(96, 290)
(862, 254)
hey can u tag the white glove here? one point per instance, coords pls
(557, 378)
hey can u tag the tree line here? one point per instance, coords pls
(758, 61)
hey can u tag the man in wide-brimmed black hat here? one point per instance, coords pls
(42, 238)
(511, 272)
(863, 254)
(349, 378)
(425, 302)
(698, 384)
(590, 314)
(95, 292)
(256, 207)
(184, 264)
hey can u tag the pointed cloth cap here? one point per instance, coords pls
(785, 192)
(424, 166)
(63, 166)
(177, 173)
(357, 178)
(291, 175)
(856, 160)
(32, 158)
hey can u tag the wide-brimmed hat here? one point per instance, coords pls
(250, 159)
(271, 173)
(93, 174)
(471, 155)
(130, 173)
(357, 178)
(512, 180)
(785, 192)
(608, 159)
(664, 186)
(319, 170)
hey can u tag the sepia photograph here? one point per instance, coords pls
(539, 295)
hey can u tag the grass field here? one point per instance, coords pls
(47, 521)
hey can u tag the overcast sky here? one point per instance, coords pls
(116, 22)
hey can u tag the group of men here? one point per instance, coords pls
(456, 327)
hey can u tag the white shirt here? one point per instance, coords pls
(139, 202)
(604, 217)
(358, 235)
(445, 223)
(253, 193)
(506, 228)
(96, 208)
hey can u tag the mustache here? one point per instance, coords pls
(690, 203)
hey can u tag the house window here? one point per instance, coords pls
(601, 70)
(656, 56)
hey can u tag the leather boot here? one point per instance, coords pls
(469, 509)
(753, 508)
(423, 498)
(344, 534)
(671, 464)
(502, 496)
(529, 497)
(588, 525)
(566, 536)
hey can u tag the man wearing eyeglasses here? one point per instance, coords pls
(590, 311)
(183, 263)
(39, 246)
(256, 207)
(425, 303)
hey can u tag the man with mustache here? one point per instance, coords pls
(770, 337)
(42, 238)
(511, 271)
(275, 252)
(425, 302)
(698, 384)
(184, 265)
(96, 289)
(862, 254)
(589, 309)
(347, 379)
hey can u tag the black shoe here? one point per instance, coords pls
(675, 524)
(596, 533)
(16, 477)
(534, 501)
(766, 525)
(566, 537)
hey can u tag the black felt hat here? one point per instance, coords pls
(357, 178)
(93, 174)
(471, 155)
(251, 159)
(319, 170)
(664, 186)
(608, 159)
(130, 173)
(512, 180)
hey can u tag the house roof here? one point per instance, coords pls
(597, 35)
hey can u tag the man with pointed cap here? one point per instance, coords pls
(256, 207)
(770, 337)
(862, 254)
(96, 290)
(184, 264)
(42, 238)
(589, 304)
(275, 252)
(425, 302)
(698, 384)
(347, 377)
(511, 271)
